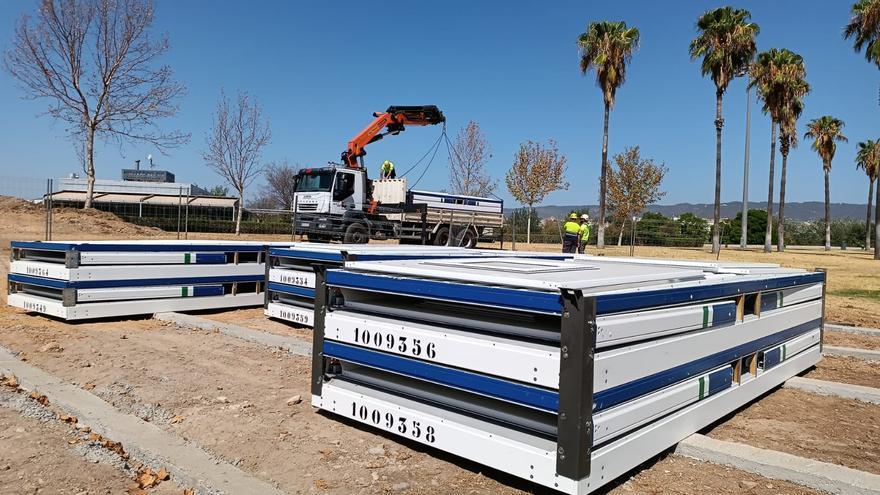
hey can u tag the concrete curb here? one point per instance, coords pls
(831, 350)
(779, 465)
(188, 464)
(292, 345)
(849, 329)
(843, 390)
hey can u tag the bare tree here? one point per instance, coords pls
(280, 185)
(93, 60)
(235, 144)
(467, 163)
(634, 185)
(537, 171)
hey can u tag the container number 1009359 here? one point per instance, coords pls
(399, 343)
(400, 424)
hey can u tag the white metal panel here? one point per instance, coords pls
(54, 307)
(797, 295)
(641, 325)
(139, 258)
(625, 364)
(532, 458)
(294, 314)
(299, 278)
(131, 293)
(132, 272)
(630, 415)
(733, 267)
(547, 275)
(514, 360)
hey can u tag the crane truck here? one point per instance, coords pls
(340, 202)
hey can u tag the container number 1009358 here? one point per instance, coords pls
(399, 343)
(400, 424)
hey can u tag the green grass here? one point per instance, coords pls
(862, 293)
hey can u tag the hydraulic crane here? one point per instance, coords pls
(393, 121)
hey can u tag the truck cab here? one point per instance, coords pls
(330, 191)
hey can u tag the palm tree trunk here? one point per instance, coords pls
(529, 226)
(780, 226)
(877, 221)
(868, 217)
(768, 234)
(603, 183)
(827, 210)
(620, 237)
(719, 123)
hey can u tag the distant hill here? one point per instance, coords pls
(810, 210)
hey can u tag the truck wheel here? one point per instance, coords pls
(356, 233)
(468, 239)
(442, 236)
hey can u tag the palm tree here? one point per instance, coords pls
(864, 27)
(778, 74)
(825, 132)
(726, 42)
(607, 47)
(868, 159)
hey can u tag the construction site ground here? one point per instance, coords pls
(248, 404)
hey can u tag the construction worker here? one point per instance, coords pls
(387, 170)
(571, 233)
(584, 232)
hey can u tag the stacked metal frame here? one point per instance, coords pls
(99, 279)
(564, 373)
(291, 271)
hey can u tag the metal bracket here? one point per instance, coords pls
(71, 259)
(322, 303)
(266, 279)
(68, 297)
(575, 420)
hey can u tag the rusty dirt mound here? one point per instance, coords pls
(98, 222)
(8, 204)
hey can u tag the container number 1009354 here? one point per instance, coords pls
(400, 424)
(399, 343)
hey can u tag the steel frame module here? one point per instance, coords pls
(291, 271)
(98, 279)
(576, 413)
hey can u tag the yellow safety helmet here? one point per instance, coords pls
(387, 163)
(573, 216)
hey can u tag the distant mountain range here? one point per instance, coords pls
(809, 210)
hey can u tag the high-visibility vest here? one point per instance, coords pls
(585, 231)
(387, 166)
(571, 227)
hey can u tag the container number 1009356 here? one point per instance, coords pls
(400, 424)
(399, 343)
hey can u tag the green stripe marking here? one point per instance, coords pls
(784, 352)
(781, 302)
(186, 258)
(702, 387)
(705, 316)
(184, 291)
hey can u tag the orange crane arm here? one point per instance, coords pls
(393, 121)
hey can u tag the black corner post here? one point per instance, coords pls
(822, 327)
(266, 278)
(322, 302)
(576, 356)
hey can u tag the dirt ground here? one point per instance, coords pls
(249, 405)
(830, 429)
(231, 398)
(41, 455)
(859, 341)
(847, 369)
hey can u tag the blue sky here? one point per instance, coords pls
(320, 68)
